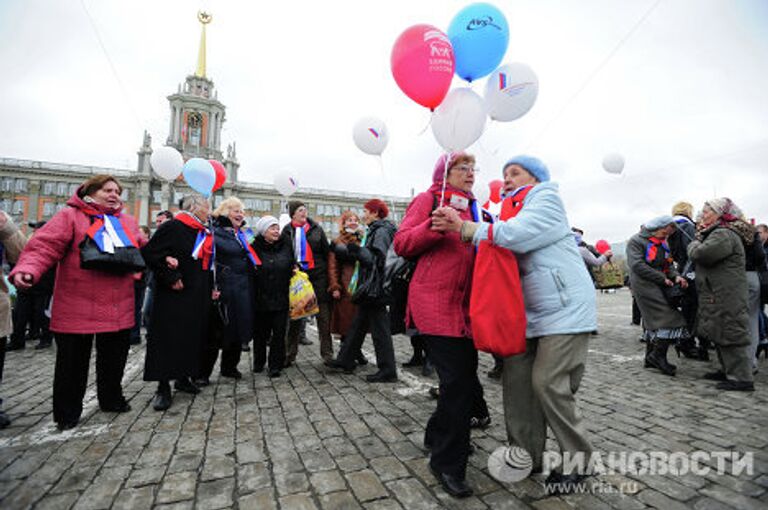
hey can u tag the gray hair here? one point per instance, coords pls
(191, 202)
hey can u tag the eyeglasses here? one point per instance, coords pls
(467, 168)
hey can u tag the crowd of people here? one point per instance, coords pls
(697, 285)
(206, 286)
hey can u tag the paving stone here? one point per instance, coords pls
(252, 477)
(134, 499)
(339, 501)
(412, 494)
(216, 494)
(54, 502)
(389, 468)
(217, 467)
(178, 487)
(263, 499)
(327, 481)
(141, 476)
(291, 483)
(297, 502)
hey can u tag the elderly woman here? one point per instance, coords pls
(721, 280)
(651, 270)
(236, 265)
(311, 250)
(438, 307)
(180, 254)
(271, 285)
(539, 386)
(341, 267)
(87, 303)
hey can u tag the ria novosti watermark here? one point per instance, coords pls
(513, 464)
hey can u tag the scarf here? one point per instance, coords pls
(204, 249)
(109, 231)
(652, 251)
(513, 203)
(249, 251)
(304, 256)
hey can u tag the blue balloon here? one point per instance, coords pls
(200, 175)
(479, 34)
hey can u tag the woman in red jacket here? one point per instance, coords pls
(438, 308)
(87, 303)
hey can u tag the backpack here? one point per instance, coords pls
(398, 272)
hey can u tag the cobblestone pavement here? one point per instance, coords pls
(316, 440)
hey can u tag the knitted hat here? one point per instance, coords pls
(264, 223)
(533, 166)
(453, 158)
(293, 205)
(377, 206)
(659, 222)
(724, 206)
(683, 209)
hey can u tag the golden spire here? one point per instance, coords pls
(204, 18)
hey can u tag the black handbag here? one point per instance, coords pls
(674, 295)
(125, 259)
(370, 289)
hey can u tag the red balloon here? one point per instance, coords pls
(496, 187)
(602, 246)
(423, 64)
(221, 174)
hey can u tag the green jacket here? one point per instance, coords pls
(721, 281)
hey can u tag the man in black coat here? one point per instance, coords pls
(369, 295)
(311, 250)
(177, 334)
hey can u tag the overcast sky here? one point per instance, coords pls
(683, 99)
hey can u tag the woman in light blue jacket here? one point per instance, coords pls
(540, 385)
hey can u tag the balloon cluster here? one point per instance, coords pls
(424, 60)
(202, 175)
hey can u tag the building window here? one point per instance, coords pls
(18, 207)
(157, 196)
(217, 200)
(21, 185)
(6, 204)
(61, 189)
(177, 197)
(72, 189)
(48, 188)
(59, 207)
(7, 184)
(49, 208)
(124, 195)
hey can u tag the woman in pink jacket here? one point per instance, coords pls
(438, 308)
(87, 303)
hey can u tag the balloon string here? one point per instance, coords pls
(445, 178)
(429, 123)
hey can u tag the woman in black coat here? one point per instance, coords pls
(182, 301)
(272, 283)
(236, 265)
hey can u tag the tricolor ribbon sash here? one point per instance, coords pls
(204, 249)
(252, 255)
(109, 232)
(652, 251)
(304, 256)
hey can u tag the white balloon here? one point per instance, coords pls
(166, 162)
(283, 220)
(371, 135)
(459, 121)
(286, 184)
(511, 91)
(613, 163)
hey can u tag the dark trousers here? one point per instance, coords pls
(417, 342)
(636, 315)
(73, 354)
(138, 301)
(30, 311)
(270, 330)
(230, 357)
(297, 328)
(461, 395)
(373, 318)
(3, 344)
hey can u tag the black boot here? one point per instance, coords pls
(658, 358)
(416, 360)
(703, 350)
(648, 350)
(687, 346)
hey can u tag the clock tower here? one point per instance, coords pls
(197, 115)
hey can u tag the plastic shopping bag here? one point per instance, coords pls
(301, 296)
